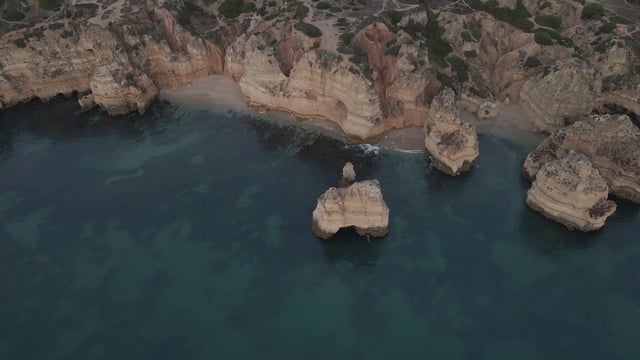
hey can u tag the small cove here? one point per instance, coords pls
(185, 233)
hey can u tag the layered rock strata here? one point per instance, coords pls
(119, 88)
(452, 143)
(561, 95)
(321, 84)
(118, 68)
(572, 192)
(611, 142)
(355, 204)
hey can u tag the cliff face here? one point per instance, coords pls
(320, 84)
(120, 68)
(612, 143)
(383, 77)
(452, 143)
(50, 64)
(561, 95)
(120, 88)
(572, 192)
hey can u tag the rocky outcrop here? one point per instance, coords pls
(118, 68)
(452, 143)
(561, 95)
(359, 205)
(612, 143)
(348, 175)
(572, 192)
(320, 85)
(47, 65)
(119, 88)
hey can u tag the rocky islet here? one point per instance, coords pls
(357, 204)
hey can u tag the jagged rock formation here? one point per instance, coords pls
(348, 175)
(118, 68)
(367, 74)
(452, 143)
(561, 95)
(321, 84)
(612, 143)
(359, 205)
(120, 88)
(572, 192)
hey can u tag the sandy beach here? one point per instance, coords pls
(216, 92)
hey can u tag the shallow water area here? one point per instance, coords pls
(186, 234)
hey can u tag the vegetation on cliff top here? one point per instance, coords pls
(13, 15)
(50, 5)
(592, 11)
(518, 16)
(308, 29)
(231, 9)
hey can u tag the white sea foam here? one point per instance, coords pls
(369, 149)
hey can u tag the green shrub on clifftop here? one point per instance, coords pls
(592, 11)
(551, 21)
(231, 9)
(308, 29)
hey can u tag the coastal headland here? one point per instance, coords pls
(370, 69)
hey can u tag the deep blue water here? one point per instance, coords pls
(186, 234)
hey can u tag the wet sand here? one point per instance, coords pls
(219, 92)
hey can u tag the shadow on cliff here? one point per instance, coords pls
(347, 247)
(58, 120)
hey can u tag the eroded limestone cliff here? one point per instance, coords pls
(611, 142)
(572, 192)
(118, 67)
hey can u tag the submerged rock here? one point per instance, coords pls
(612, 144)
(452, 143)
(572, 192)
(353, 204)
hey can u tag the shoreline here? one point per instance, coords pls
(217, 92)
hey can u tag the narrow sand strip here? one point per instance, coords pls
(219, 92)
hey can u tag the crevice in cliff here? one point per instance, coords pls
(372, 40)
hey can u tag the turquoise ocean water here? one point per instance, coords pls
(185, 234)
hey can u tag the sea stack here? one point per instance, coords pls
(452, 143)
(572, 192)
(352, 204)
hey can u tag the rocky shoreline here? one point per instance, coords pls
(386, 70)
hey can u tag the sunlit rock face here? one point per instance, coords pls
(352, 204)
(572, 192)
(452, 143)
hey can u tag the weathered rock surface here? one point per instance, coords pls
(561, 95)
(452, 143)
(119, 67)
(359, 205)
(320, 85)
(572, 192)
(119, 88)
(612, 143)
